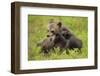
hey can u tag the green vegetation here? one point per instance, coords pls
(37, 31)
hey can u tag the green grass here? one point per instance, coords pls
(37, 31)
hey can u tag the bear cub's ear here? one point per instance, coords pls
(59, 24)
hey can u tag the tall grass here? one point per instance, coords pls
(37, 30)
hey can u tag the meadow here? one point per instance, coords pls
(37, 31)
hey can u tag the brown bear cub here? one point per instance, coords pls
(64, 39)
(72, 41)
